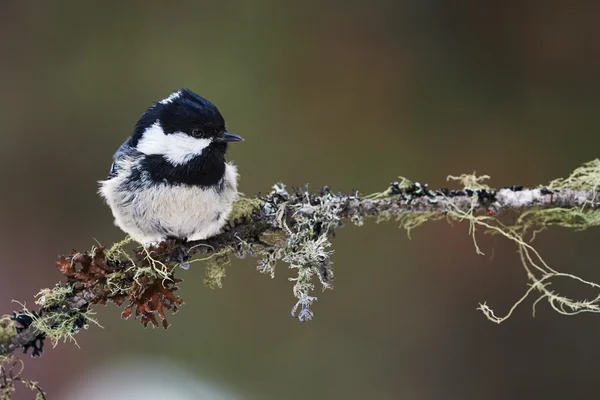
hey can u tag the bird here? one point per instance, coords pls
(170, 179)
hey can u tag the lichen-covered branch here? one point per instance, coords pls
(295, 227)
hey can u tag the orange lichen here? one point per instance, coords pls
(148, 294)
(92, 267)
(151, 299)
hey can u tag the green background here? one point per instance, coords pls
(348, 94)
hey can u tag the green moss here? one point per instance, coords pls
(215, 269)
(8, 329)
(243, 209)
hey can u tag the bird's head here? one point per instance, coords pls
(181, 128)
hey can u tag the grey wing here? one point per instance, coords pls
(125, 151)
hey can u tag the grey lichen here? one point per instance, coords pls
(306, 244)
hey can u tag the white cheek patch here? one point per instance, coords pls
(178, 148)
(171, 97)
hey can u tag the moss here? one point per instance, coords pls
(215, 269)
(243, 209)
(8, 329)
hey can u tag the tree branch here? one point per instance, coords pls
(290, 226)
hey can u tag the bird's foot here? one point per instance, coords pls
(180, 252)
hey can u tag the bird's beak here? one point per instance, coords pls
(231, 137)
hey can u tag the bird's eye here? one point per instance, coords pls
(197, 133)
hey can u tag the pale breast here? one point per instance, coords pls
(158, 211)
(189, 211)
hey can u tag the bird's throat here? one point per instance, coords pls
(204, 170)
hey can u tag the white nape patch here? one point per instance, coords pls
(171, 97)
(178, 148)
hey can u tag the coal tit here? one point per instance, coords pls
(170, 180)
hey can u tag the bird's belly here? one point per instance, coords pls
(151, 212)
(185, 212)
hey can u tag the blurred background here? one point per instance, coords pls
(345, 93)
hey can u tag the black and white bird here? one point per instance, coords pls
(170, 179)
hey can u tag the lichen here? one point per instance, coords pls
(586, 177)
(472, 184)
(539, 273)
(11, 369)
(391, 190)
(54, 297)
(538, 220)
(62, 323)
(306, 244)
(296, 227)
(150, 298)
(529, 224)
(117, 250)
(470, 181)
(409, 221)
(269, 256)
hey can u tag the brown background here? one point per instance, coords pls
(345, 93)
